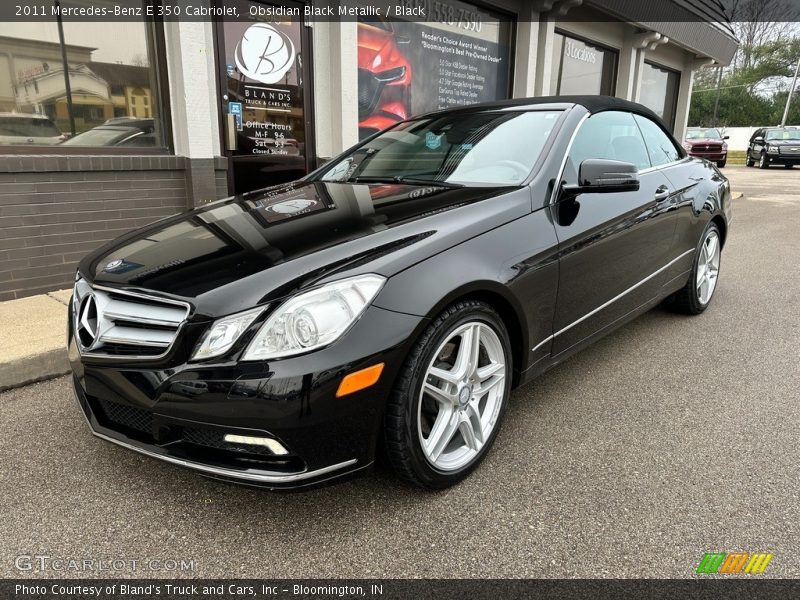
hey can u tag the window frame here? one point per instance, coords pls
(599, 45)
(679, 149)
(156, 43)
(586, 120)
(669, 70)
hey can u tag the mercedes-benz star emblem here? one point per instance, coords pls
(87, 321)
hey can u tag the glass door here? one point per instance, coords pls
(265, 87)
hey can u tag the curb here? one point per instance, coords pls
(31, 369)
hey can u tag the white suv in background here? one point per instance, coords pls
(28, 129)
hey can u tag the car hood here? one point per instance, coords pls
(247, 250)
(784, 143)
(703, 141)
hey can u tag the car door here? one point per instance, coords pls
(755, 148)
(611, 245)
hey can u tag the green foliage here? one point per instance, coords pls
(752, 92)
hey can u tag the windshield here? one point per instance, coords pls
(28, 127)
(474, 149)
(783, 134)
(703, 134)
(101, 136)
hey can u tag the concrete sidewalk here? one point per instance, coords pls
(33, 338)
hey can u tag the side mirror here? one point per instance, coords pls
(758, 140)
(599, 175)
(726, 137)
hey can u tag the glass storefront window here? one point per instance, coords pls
(660, 91)
(107, 96)
(408, 68)
(581, 68)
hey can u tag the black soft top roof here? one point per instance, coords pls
(593, 104)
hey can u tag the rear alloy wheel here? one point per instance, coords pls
(696, 295)
(450, 397)
(763, 162)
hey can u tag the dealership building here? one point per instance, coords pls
(108, 126)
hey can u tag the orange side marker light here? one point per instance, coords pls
(359, 380)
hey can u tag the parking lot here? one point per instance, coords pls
(672, 437)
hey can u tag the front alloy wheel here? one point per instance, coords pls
(450, 397)
(461, 396)
(763, 161)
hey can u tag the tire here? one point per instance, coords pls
(749, 162)
(721, 163)
(414, 418)
(690, 299)
(763, 163)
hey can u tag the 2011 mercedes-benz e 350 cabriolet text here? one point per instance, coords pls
(395, 296)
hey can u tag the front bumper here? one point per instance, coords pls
(780, 158)
(180, 413)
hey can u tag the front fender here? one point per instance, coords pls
(522, 288)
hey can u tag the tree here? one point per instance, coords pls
(751, 87)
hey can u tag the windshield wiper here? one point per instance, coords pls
(404, 179)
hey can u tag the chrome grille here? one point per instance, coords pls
(121, 324)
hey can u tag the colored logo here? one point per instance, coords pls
(264, 53)
(433, 141)
(734, 562)
(235, 109)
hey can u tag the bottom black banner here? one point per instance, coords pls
(462, 589)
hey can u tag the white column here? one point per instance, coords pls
(684, 97)
(335, 86)
(526, 53)
(544, 55)
(628, 61)
(194, 105)
(193, 89)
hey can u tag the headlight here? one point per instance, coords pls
(724, 145)
(224, 333)
(314, 319)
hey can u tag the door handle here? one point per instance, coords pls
(662, 193)
(231, 141)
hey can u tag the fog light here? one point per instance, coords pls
(274, 446)
(360, 380)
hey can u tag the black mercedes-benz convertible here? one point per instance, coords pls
(396, 295)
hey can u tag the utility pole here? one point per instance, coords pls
(789, 97)
(716, 101)
(65, 66)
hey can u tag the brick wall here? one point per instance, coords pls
(55, 209)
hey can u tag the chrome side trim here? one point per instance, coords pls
(263, 477)
(542, 343)
(614, 299)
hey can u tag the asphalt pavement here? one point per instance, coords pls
(672, 437)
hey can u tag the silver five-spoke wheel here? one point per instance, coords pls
(708, 268)
(461, 396)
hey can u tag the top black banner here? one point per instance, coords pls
(451, 12)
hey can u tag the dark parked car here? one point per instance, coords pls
(125, 132)
(395, 296)
(774, 145)
(708, 143)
